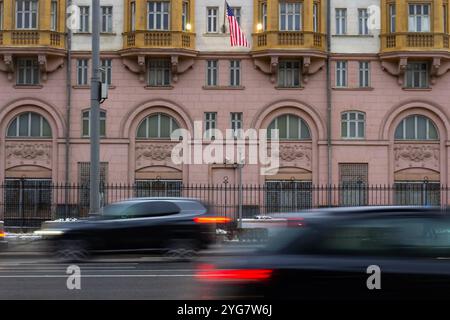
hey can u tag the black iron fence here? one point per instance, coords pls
(27, 203)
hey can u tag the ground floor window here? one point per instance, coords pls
(417, 193)
(353, 182)
(158, 188)
(284, 196)
(27, 202)
(84, 178)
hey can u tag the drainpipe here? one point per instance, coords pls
(69, 95)
(329, 100)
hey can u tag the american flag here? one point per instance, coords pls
(237, 36)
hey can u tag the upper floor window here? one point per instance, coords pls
(352, 125)
(26, 14)
(106, 71)
(29, 124)
(212, 20)
(210, 124)
(392, 18)
(416, 75)
(236, 123)
(82, 72)
(212, 72)
(341, 73)
(1, 15)
(235, 73)
(444, 17)
(158, 15)
(316, 17)
(419, 18)
(289, 74)
(290, 127)
(157, 126)
(53, 15)
(341, 21)
(363, 17)
(185, 16)
(263, 16)
(159, 72)
(86, 120)
(416, 127)
(290, 16)
(84, 19)
(364, 74)
(132, 16)
(107, 19)
(237, 14)
(27, 71)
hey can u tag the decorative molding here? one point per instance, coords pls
(296, 154)
(7, 65)
(28, 153)
(416, 156)
(151, 154)
(396, 68)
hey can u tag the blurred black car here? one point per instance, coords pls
(3, 242)
(178, 227)
(331, 253)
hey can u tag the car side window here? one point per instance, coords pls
(152, 209)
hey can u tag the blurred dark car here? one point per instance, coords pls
(3, 242)
(177, 227)
(326, 254)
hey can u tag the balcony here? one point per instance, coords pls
(414, 41)
(159, 40)
(32, 38)
(298, 40)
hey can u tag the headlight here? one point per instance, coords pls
(48, 232)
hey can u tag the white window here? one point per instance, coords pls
(212, 72)
(235, 73)
(106, 71)
(416, 127)
(210, 124)
(353, 125)
(159, 73)
(27, 71)
(157, 126)
(237, 14)
(290, 127)
(158, 15)
(444, 17)
(84, 19)
(236, 124)
(1, 15)
(54, 15)
(341, 21)
(185, 16)
(392, 17)
(82, 72)
(133, 16)
(212, 19)
(290, 16)
(316, 17)
(341, 73)
(263, 17)
(107, 19)
(289, 74)
(364, 74)
(86, 123)
(419, 18)
(363, 18)
(416, 75)
(29, 124)
(26, 14)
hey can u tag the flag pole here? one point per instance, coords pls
(224, 16)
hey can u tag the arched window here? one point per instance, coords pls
(86, 123)
(29, 124)
(353, 125)
(290, 127)
(416, 127)
(157, 126)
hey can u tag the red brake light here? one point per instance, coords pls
(212, 220)
(208, 273)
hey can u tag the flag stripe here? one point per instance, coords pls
(237, 36)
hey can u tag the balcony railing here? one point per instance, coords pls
(414, 41)
(289, 39)
(159, 39)
(32, 38)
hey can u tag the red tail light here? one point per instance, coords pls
(216, 220)
(207, 273)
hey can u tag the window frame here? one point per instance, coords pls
(162, 15)
(364, 74)
(316, 17)
(146, 120)
(185, 15)
(363, 19)
(301, 123)
(429, 123)
(106, 73)
(85, 16)
(357, 123)
(415, 17)
(410, 71)
(236, 123)
(392, 17)
(106, 24)
(263, 15)
(341, 21)
(341, 74)
(35, 72)
(286, 76)
(235, 73)
(156, 68)
(53, 15)
(132, 21)
(86, 118)
(210, 119)
(210, 18)
(287, 15)
(212, 73)
(42, 122)
(32, 12)
(83, 67)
